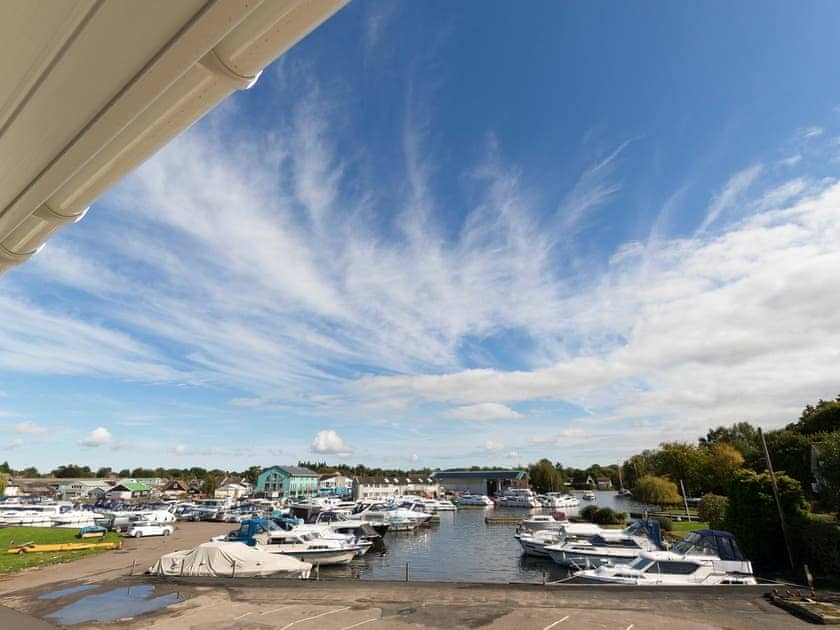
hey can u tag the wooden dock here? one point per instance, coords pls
(506, 519)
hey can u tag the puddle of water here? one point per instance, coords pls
(112, 605)
(69, 591)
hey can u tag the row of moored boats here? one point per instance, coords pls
(636, 554)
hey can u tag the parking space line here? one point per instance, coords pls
(361, 623)
(244, 615)
(329, 612)
(274, 610)
(551, 625)
(630, 627)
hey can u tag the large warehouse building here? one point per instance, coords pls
(487, 482)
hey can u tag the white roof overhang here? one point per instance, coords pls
(91, 88)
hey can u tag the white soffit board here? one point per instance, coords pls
(91, 88)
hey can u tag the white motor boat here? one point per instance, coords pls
(533, 543)
(705, 557)
(519, 498)
(307, 546)
(603, 548)
(45, 515)
(588, 495)
(559, 500)
(477, 500)
(444, 505)
(546, 521)
(229, 559)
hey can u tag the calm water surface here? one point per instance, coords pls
(464, 548)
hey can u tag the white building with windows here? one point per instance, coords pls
(390, 487)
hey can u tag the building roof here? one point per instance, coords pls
(133, 486)
(498, 475)
(298, 471)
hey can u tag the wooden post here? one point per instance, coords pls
(133, 564)
(778, 500)
(685, 501)
(406, 571)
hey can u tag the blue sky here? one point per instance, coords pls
(445, 234)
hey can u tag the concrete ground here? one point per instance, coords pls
(346, 604)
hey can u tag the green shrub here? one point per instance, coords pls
(608, 516)
(818, 545)
(588, 513)
(712, 509)
(656, 491)
(665, 523)
(752, 517)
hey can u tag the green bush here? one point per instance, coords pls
(588, 513)
(752, 517)
(656, 491)
(818, 545)
(712, 509)
(608, 516)
(665, 523)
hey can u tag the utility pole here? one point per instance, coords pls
(778, 500)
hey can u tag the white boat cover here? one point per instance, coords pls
(229, 559)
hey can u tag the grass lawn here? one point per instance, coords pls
(43, 535)
(682, 528)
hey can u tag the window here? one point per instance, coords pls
(674, 568)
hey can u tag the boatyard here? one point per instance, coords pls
(459, 572)
(99, 591)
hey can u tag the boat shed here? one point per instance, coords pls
(487, 482)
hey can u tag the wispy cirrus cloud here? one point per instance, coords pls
(27, 426)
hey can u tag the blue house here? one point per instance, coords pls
(287, 481)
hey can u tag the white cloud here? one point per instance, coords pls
(491, 445)
(13, 445)
(706, 329)
(25, 427)
(791, 160)
(328, 442)
(811, 132)
(98, 437)
(482, 411)
(413, 458)
(179, 449)
(731, 193)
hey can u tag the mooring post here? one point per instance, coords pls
(133, 564)
(233, 568)
(406, 571)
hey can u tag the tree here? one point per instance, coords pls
(104, 472)
(825, 417)
(751, 515)
(30, 472)
(252, 473)
(209, 486)
(712, 509)
(680, 461)
(656, 491)
(790, 452)
(71, 470)
(4, 468)
(2, 483)
(720, 462)
(125, 472)
(741, 435)
(544, 477)
(829, 470)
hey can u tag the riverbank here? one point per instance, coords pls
(13, 536)
(100, 587)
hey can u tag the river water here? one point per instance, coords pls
(464, 548)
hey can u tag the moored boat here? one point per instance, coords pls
(704, 557)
